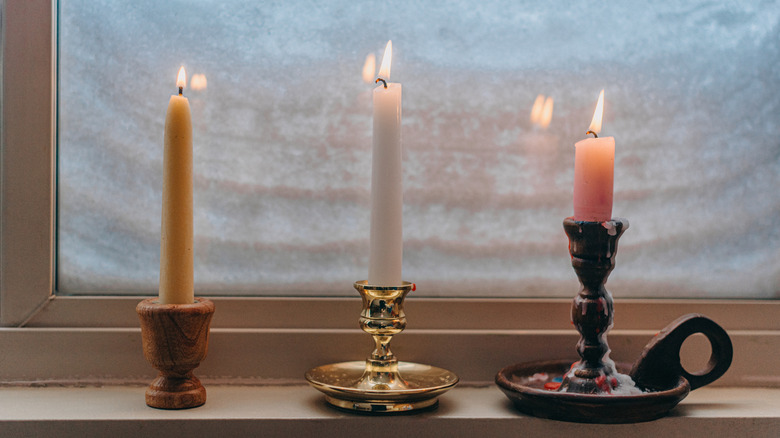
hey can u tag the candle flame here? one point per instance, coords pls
(181, 80)
(536, 110)
(199, 82)
(547, 113)
(595, 124)
(369, 68)
(384, 70)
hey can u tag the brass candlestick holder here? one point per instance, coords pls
(595, 389)
(175, 341)
(381, 384)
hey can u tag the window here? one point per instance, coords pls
(283, 132)
(322, 329)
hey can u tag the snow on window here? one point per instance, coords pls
(282, 142)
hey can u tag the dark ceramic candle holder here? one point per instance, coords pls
(595, 389)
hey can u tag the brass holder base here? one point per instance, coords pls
(381, 384)
(594, 389)
(175, 341)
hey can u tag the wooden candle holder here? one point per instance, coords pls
(175, 341)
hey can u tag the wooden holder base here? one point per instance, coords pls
(175, 341)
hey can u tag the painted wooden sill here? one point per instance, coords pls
(298, 410)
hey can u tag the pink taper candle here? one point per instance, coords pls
(594, 164)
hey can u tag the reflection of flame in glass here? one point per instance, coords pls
(547, 112)
(369, 68)
(181, 79)
(595, 124)
(198, 82)
(384, 70)
(536, 110)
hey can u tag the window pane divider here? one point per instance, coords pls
(27, 161)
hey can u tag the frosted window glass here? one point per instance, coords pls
(283, 140)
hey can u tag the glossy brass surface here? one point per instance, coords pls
(381, 383)
(344, 385)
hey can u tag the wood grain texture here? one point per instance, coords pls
(175, 341)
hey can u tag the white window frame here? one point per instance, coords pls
(96, 338)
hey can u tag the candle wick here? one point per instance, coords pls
(181, 89)
(380, 79)
(594, 134)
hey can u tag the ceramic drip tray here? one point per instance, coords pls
(658, 373)
(524, 384)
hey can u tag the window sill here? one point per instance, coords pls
(240, 355)
(300, 410)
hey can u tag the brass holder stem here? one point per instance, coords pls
(592, 246)
(376, 385)
(382, 317)
(175, 341)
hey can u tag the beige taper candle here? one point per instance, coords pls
(176, 248)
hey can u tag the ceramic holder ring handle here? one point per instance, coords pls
(659, 364)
